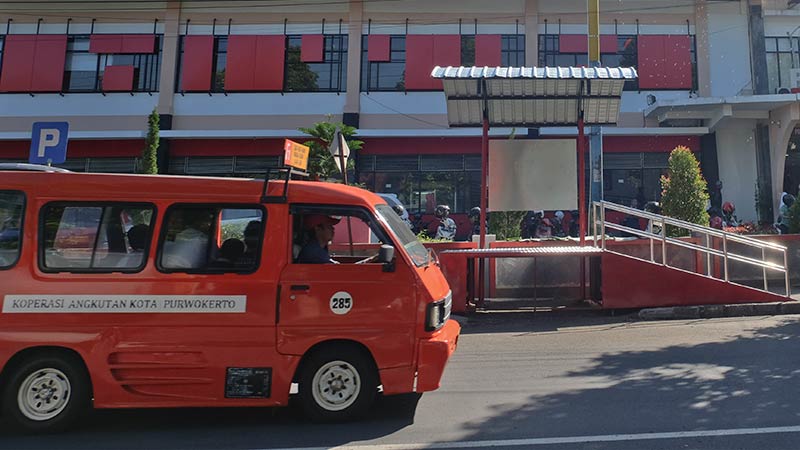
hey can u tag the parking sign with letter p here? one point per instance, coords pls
(49, 142)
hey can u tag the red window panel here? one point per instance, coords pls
(651, 61)
(196, 66)
(105, 148)
(255, 63)
(33, 63)
(240, 67)
(118, 79)
(223, 147)
(487, 50)
(270, 58)
(379, 48)
(579, 43)
(678, 62)
(48, 63)
(423, 53)
(18, 62)
(138, 43)
(105, 43)
(312, 48)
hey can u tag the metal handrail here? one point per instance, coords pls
(599, 214)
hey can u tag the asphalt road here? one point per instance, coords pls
(523, 381)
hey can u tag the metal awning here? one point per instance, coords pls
(533, 96)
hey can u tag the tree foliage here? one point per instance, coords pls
(685, 191)
(506, 225)
(149, 162)
(321, 163)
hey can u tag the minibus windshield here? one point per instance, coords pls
(415, 249)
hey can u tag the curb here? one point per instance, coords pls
(711, 311)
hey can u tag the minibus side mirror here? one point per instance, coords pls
(386, 257)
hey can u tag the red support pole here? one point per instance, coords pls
(582, 182)
(484, 177)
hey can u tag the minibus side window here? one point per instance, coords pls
(211, 239)
(12, 209)
(95, 237)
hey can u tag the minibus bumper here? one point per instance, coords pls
(433, 354)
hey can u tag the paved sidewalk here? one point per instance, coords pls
(708, 311)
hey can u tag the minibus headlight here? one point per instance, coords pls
(438, 313)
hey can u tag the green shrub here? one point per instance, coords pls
(685, 192)
(506, 225)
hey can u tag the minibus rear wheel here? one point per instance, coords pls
(46, 393)
(337, 383)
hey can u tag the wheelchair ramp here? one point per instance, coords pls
(691, 270)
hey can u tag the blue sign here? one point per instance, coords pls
(49, 143)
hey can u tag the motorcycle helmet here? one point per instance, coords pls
(728, 207)
(475, 212)
(441, 211)
(559, 215)
(399, 210)
(716, 222)
(652, 207)
(547, 222)
(788, 200)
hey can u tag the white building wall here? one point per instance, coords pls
(729, 48)
(736, 153)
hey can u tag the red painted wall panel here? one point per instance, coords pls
(424, 52)
(651, 61)
(18, 61)
(379, 47)
(118, 79)
(241, 63)
(90, 148)
(487, 50)
(138, 43)
(650, 285)
(48, 63)
(198, 54)
(270, 59)
(105, 43)
(225, 147)
(419, 57)
(579, 43)
(312, 48)
(255, 63)
(678, 62)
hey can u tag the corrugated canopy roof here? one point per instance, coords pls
(533, 96)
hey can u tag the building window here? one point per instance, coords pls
(82, 67)
(219, 63)
(388, 75)
(2, 41)
(782, 56)
(421, 182)
(626, 55)
(330, 75)
(92, 237)
(83, 71)
(512, 50)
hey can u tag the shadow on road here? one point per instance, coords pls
(217, 428)
(542, 321)
(750, 381)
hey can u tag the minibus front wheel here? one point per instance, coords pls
(337, 383)
(46, 393)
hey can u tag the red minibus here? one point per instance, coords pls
(135, 291)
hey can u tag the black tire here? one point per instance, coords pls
(68, 393)
(337, 384)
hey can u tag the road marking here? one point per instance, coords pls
(559, 440)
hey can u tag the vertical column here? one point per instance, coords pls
(352, 100)
(169, 58)
(703, 49)
(764, 179)
(758, 51)
(531, 33)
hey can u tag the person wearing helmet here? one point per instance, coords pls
(782, 224)
(574, 223)
(475, 220)
(545, 229)
(447, 226)
(728, 214)
(558, 224)
(401, 211)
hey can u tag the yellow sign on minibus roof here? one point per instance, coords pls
(295, 155)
